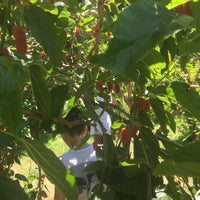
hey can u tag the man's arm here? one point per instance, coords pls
(58, 195)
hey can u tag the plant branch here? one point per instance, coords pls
(165, 140)
(100, 15)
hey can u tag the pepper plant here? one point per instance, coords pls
(141, 57)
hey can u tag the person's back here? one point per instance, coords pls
(77, 159)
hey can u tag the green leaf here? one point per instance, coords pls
(129, 171)
(174, 189)
(110, 156)
(58, 98)
(10, 101)
(42, 26)
(158, 108)
(170, 167)
(188, 97)
(5, 140)
(72, 5)
(195, 6)
(174, 3)
(181, 162)
(40, 91)
(87, 86)
(138, 29)
(63, 18)
(190, 46)
(169, 49)
(53, 168)
(154, 58)
(171, 121)
(21, 177)
(151, 145)
(116, 124)
(144, 119)
(183, 154)
(10, 189)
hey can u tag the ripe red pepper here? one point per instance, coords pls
(133, 130)
(20, 39)
(141, 103)
(43, 55)
(78, 31)
(185, 8)
(100, 86)
(110, 86)
(96, 27)
(5, 52)
(125, 135)
(117, 88)
(147, 106)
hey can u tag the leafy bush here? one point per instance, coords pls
(141, 56)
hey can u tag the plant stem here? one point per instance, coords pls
(100, 15)
(149, 184)
(39, 175)
(39, 183)
(189, 188)
(165, 140)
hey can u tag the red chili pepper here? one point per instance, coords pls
(96, 27)
(147, 106)
(5, 52)
(110, 86)
(185, 9)
(20, 39)
(78, 31)
(125, 135)
(117, 88)
(141, 103)
(133, 130)
(100, 86)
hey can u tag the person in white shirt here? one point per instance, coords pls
(77, 159)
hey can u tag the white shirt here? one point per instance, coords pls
(77, 160)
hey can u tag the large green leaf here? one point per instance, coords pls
(183, 154)
(170, 167)
(58, 98)
(40, 91)
(151, 145)
(11, 190)
(187, 97)
(10, 101)
(181, 162)
(43, 28)
(53, 168)
(138, 29)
